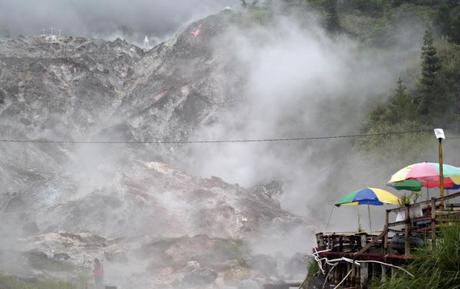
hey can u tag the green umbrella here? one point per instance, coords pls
(408, 185)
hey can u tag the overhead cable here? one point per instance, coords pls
(210, 141)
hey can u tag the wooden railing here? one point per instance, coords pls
(435, 213)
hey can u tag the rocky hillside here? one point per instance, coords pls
(155, 226)
(90, 85)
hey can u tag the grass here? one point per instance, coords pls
(313, 269)
(11, 282)
(40, 261)
(434, 269)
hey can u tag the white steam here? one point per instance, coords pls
(302, 82)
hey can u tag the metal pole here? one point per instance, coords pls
(359, 221)
(385, 240)
(441, 170)
(370, 221)
(329, 219)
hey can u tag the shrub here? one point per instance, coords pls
(435, 269)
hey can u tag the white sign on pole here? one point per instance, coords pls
(439, 132)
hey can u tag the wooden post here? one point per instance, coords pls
(384, 273)
(385, 237)
(336, 273)
(407, 232)
(320, 241)
(349, 282)
(433, 223)
(363, 240)
(364, 275)
(354, 275)
(439, 133)
(372, 273)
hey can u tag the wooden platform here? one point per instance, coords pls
(360, 258)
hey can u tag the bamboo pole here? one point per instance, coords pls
(439, 133)
(433, 222)
(441, 169)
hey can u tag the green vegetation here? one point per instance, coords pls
(400, 107)
(448, 20)
(260, 15)
(432, 101)
(10, 282)
(313, 269)
(425, 96)
(245, 3)
(40, 261)
(434, 97)
(438, 268)
(332, 16)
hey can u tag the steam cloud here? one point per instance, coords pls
(302, 82)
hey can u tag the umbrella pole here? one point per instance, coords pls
(329, 219)
(370, 221)
(359, 222)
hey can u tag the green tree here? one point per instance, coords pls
(332, 16)
(245, 4)
(401, 106)
(443, 19)
(429, 98)
(368, 6)
(448, 20)
(454, 25)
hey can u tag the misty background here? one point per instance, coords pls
(104, 19)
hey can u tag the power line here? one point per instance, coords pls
(166, 141)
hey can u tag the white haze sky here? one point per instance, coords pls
(104, 17)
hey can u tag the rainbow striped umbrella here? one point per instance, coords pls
(416, 176)
(368, 196)
(416, 186)
(409, 185)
